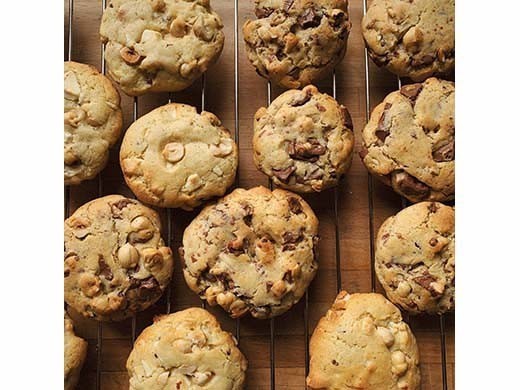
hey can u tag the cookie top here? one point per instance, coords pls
(160, 45)
(174, 157)
(415, 258)
(253, 251)
(75, 352)
(92, 119)
(303, 140)
(116, 263)
(409, 141)
(186, 350)
(414, 39)
(297, 42)
(363, 343)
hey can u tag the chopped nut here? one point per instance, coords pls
(71, 85)
(178, 28)
(173, 152)
(89, 284)
(69, 158)
(193, 182)
(279, 288)
(162, 379)
(386, 335)
(283, 174)
(128, 256)
(144, 231)
(399, 364)
(225, 299)
(183, 345)
(158, 5)
(153, 259)
(403, 289)
(187, 68)
(129, 55)
(74, 117)
(201, 378)
(202, 31)
(224, 148)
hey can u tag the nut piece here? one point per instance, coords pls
(152, 259)
(278, 288)
(201, 378)
(178, 27)
(193, 182)
(74, 117)
(71, 86)
(386, 336)
(200, 30)
(173, 152)
(399, 364)
(129, 55)
(224, 148)
(128, 256)
(89, 284)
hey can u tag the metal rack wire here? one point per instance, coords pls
(404, 203)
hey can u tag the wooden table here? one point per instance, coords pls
(276, 350)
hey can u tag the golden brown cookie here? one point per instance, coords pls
(363, 343)
(303, 140)
(415, 258)
(186, 350)
(409, 141)
(116, 263)
(75, 352)
(160, 45)
(92, 119)
(414, 39)
(174, 157)
(253, 251)
(297, 42)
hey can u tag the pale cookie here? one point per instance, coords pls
(75, 352)
(253, 251)
(186, 350)
(116, 263)
(92, 119)
(414, 39)
(160, 45)
(415, 258)
(297, 42)
(363, 343)
(409, 141)
(174, 157)
(303, 140)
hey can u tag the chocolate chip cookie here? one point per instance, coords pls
(415, 258)
(160, 45)
(116, 263)
(303, 140)
(186, 350)
(409, 141)
(363, 343)
(174, 157)
(414, 39)
(253, 251)
(297, 42)
(75, 352)
(92, 119)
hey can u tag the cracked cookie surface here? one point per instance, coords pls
(92, 121)
(303, 140)
(253, 251)
(75, 352)
(409, 141)
(297, 42)
(363, 343)
(186, 350)
(116, 263)
(160, 45)
(174, 157)
(414, 39)
(415, 258)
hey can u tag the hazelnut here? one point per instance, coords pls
(238, 308)
(74, 117)
(279, 288)
(399, 364)
(224, 148)
(386, 335)
(187, 68)
(141, 223)
(225, 299)
(173, 152)
(178, 28)
(403, 289)
(89, 284)
(71, 86)
(129, 55)
(128, 256)
(69, 158)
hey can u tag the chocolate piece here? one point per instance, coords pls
(445, 153)
(411, 91)
(287, 4)
(292, 238)
(295, 205)
(411, 185)
(423, 61)
(309, 18)
(283, 174)
(309, 150)
(104, 269)
(263, 12)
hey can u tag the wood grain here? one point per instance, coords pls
(353, 213)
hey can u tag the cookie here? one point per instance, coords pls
(186, 350)
(174, 157)
(253, 251)
(415, 258)
(414, 39)
(409, 141)
(116, 263)
(363, 343)
(75, 352)
(160, 45)
(297, 42)
(92, 119)
(303, 140)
